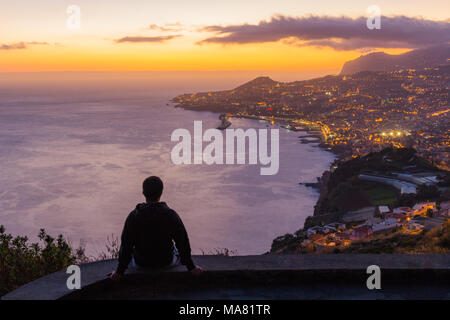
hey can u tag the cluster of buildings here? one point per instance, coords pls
(425, 215)
(405, 108)
(361, 113)
(355, 115)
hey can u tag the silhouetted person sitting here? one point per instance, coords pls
(149, 234)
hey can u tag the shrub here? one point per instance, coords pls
(22, 262)
(445, 238)
(112, 248)
(425, 192)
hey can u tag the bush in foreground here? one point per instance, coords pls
(22, 262)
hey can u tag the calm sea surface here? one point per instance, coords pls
(73, 161)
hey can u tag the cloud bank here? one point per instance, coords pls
(339, 33)
(20, 45)
(137, 39)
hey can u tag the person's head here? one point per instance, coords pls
(152, 188)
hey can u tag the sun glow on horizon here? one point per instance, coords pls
(139, 36)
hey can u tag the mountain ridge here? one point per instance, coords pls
(381, 61)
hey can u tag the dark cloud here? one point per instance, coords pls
(340, 33)
(20, 45)
(147, 39)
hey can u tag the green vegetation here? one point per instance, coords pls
(385, 161)
(406, 200)
(432, 241)
(398, 242)
(22, 262)
(345, 196)
(380, 194)
(444, 239)
(288, 243)
(344, 191)
(425, 192)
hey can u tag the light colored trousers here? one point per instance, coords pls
(175, 262)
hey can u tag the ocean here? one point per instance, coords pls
(73, 158)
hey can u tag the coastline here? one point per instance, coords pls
(312, 130)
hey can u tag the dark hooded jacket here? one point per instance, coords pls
(149, 234)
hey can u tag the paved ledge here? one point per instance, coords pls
(330, 276)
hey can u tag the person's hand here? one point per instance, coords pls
(197, 271)
(114, 276)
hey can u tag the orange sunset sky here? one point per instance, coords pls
(138, 35)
